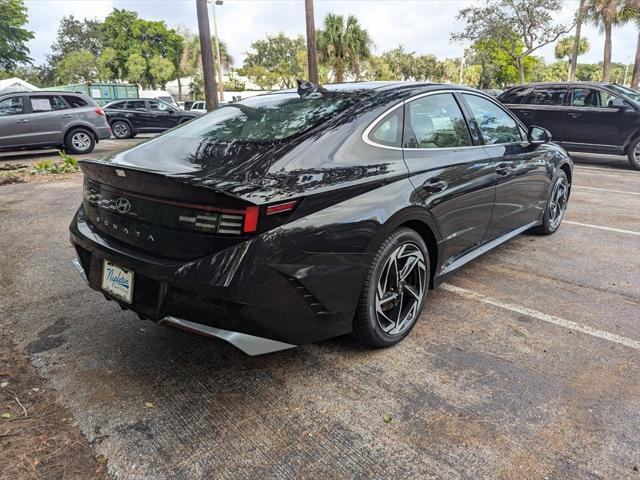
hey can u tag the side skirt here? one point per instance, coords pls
(484, 248)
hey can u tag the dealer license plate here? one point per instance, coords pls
(117, 281)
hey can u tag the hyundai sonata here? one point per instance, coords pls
(296, 216)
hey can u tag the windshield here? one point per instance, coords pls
(266, 118)
(629, 92)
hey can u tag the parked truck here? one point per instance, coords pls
(102, 93)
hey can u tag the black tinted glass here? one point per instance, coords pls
(75, 102)
(516, 95)
(266, 118)
(135, 105)
(435, 121)
(388, 131)
(495, 124)
(547, 96)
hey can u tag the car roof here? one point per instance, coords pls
(576, 83)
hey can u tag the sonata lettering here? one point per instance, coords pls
(119, 228)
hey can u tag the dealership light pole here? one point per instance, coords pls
(206, 52)
(215, 33)
(312, 53)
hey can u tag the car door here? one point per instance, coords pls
(136, 112)
(162, 115)
(521, 174)
(15, 128)
(546, 107)
(515, 100)
(590, 120)
(453, 174)
(48, 117)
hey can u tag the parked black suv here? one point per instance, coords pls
(293, 217)
(143, 115)
(582, 116)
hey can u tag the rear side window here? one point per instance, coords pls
(435, 121)
(46, 103)
(547, 96)
(496, 125)
(516, 95)
(158, 106)
(267, 118)
(388, 131)
(135, 105)
(11, 106)
(75, 102)
(118, 105)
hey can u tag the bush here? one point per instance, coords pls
(68, 164)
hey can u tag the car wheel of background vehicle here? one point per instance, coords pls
(394, 291)
(634, 154)
(79, 141)
(556, 206)
(121, 130)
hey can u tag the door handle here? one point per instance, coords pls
(68, 115)
(435, 185)
(22, 121)
(504, 169)
(575, 115)
(524, 113)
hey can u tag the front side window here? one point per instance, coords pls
(435, 121)
(157, 106)
(388, 131)
(46, 103)
(266, 118)
(11, 106)
(585, 97)
(495, 124)
(547, 96)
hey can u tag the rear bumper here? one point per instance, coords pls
(270, 290)
(103, 132)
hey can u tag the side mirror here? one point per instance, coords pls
(617, 103)
(538, 135)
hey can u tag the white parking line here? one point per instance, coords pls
(608, 173)
(604, 169)
(600, 227)
(561, 322)
(605, 190)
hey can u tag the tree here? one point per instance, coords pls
(576, 45)
(161, 70)
(13, 35)
(274, 61)
(519, 27)
(402, 63)
(136, 67)
(566, 47)
(73, 33)
(77, 67)
(107, 64)
(604, 14)
(312, 50)
(343, 45)
(208, 72)
(631, 13)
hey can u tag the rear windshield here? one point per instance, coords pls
(267, 118)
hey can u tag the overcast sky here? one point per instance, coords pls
(423, 26)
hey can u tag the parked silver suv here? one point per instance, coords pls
(71, 121)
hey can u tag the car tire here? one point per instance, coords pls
(79, 141)
(394, 291)
(121, 130)
(634, 154)
(556, 206)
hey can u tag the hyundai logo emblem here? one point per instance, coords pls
(123, 205)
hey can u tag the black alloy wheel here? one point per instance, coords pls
(395, 290)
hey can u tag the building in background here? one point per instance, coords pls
(16, 85)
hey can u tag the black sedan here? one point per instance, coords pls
(129, 117)
(298, 216)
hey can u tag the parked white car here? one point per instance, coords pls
(199, 107)
(159, 95)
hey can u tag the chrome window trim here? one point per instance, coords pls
(374, 123)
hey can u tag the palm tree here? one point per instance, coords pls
(343, 46)
(631, 13)
(191, 61)
(604, 14)
(565, 47)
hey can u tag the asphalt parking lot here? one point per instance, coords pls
(526, 364)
